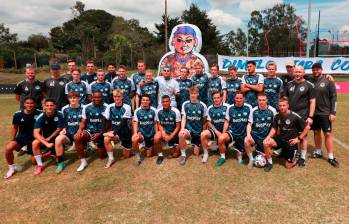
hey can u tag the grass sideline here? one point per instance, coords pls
(170, 193)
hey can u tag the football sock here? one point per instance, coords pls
(183, 153)
(83, 161)
(205, 152)
(330, 155)
(12, 167)
(250, 156)
(38, 160)
(270, 160)
(223, 155)
(160, 154)
(318, 151)
(303, 154)
(110, 155)
(138, 156)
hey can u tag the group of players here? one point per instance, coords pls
(269, 116)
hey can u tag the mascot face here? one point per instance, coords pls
(184, 43)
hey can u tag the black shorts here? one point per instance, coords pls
(195, 139)
(239, 141)
(174, 141)
(149, 142)
(213, 135)
(322, 122)
(258, 143)
(99, 141)
(125, 138)
(70, 137)
(288, 151)
(24, 140)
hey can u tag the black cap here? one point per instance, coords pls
(55, 66)
(316, 65)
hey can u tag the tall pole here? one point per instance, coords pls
(318, 36)
(308, 31)
(166, 41)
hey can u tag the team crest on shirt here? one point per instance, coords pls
(26, 89)
(288, 121)
(322, 84)
(22, 120)
(150, 116)
(199, 112)
(302, 88)
(292, 88)
(245, 113)
(35, 116)
(55, 119)
(97, 114)
(61, 83)
(81, 89)
(52, 83)
(275, 86)
(268, 118)
(37, 87)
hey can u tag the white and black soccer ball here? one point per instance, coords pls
(260, 161)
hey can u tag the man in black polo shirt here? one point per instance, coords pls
(54, 87)
(29, 87)
(300, 93)
(325, 113)
(71, 67)
(287, 132)
(22, 133)
(47, 127)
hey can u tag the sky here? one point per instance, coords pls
(39, 16)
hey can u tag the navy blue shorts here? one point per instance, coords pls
(288, 151)
(99, 141)
(258, 144)
(125, 138)
(23, 140)
(239, 141)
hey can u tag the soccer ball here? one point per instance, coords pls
(260, 161)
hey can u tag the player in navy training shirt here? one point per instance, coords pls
(22, 133)
(184, 84)
(46, 128)
(252, 84)
(145, 130)
(100, 85)
(92, 127)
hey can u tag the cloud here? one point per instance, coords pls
(219, 4)
(250, 5)
(224, 21)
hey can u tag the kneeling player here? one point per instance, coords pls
(72, 117)
(169, 124)
(22, 133)
(235, 124)
(194, 115)
(259, 125)
(46, 128)
(145, 131)
(215, 121)
(119, 115)
(285, 134)
(91, 128)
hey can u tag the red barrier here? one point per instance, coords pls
(342, 87)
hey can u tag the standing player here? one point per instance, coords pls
(100, 85)
(235, 124)
(47, 127)
(78, 86)
(21, 133)
(259, 124)
(119, 115)
(125, 84)
(252, 84)
(290, 73)
(72, 118)
(139, 75)
(216, 83)
(215, 122)
(54, 87)
(272, 85)
(184, 84)
(91, 128)
(71, 68)
(287, 131)
(194, 116)
(325, 113)
(200, 80)
(169, 124)
(148, 87)
(111, 74)
(90, 75)
(29, 87)
(145, 131)
(300, 93)
(233, 84)
(167, 86)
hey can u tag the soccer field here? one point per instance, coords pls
(171, 193)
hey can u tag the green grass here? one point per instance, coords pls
(170, 193)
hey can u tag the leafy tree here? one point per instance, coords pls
(5, 36)
(38, 41)
(160, 33)
(78, 8)
(236, 42)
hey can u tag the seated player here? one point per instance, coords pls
(235, 124)
(72, 117)
(259, 125)
(215, 122)
(287, 132)
(148, 87)
(22, 133)
(194, 115)
(169, 124)
(119, 115)
(145, 131)
(100, 85)
(91, 128)
(46, 128)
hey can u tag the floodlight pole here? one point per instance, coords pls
(166, 49)
(308, 31)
